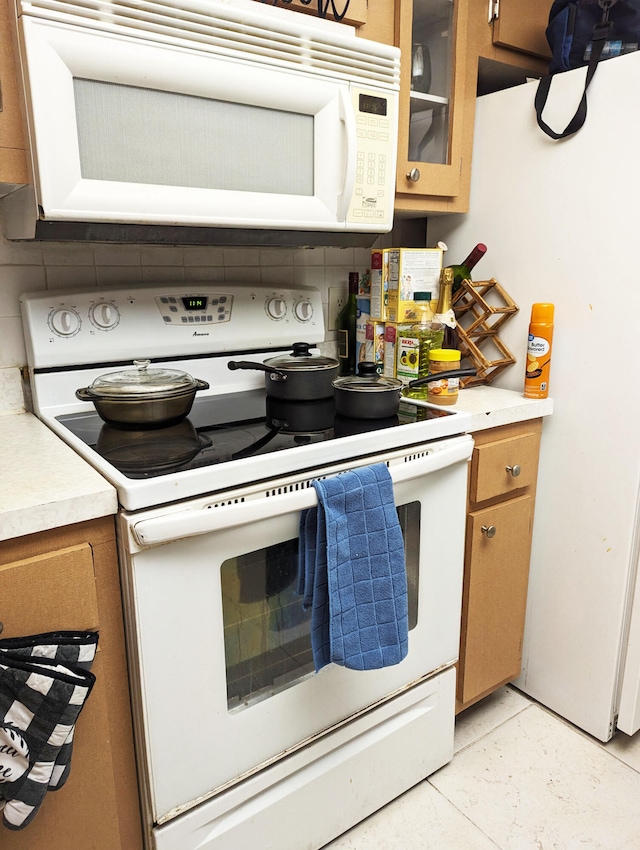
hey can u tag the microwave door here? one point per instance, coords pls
(130, 131)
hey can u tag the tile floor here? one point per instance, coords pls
(521, 778)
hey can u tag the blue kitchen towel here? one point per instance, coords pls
(307, 555)
(356, 579)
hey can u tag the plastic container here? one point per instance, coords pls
(539, 344)
(446, 391)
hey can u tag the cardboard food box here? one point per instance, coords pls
(411, 270)
(375, 344)
(379, 283)
(390, 337)
(362, 317)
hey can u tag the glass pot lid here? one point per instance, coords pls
(301, 359)
(367, 380)
(142, 381)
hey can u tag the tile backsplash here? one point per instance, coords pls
(35, 266)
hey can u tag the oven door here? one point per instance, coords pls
(223, 678)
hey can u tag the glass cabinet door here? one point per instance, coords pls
(432, 83)
(430, 93)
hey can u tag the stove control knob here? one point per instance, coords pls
(276, 308)
(104, 315)
(64, 321)
(303, 311)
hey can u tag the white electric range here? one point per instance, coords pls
(237, 737)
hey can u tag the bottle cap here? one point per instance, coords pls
(542, 313)
(447, 354)
(422, 296)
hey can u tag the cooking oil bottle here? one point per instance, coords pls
(426, 334)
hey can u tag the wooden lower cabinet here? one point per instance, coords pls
(502, 483)
(67, 579)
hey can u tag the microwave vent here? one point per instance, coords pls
(289, 40)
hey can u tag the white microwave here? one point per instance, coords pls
(212, 117)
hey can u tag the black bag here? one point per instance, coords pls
(582, 32)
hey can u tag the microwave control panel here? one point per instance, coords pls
(376, 118)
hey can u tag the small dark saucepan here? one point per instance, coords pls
(369, 395)
(299, 376)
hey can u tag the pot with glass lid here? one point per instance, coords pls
(143, 397)
(298, 376)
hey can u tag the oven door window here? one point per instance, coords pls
(267, 631)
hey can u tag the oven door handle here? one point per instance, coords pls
(190, 523)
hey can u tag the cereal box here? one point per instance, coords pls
(411, 270)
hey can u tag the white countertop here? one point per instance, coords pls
(43, 482)
(491, 407)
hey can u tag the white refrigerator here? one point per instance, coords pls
(561, 221)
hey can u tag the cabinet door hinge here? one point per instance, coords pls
(494, 10)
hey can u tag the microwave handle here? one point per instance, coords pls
(190, 523)
(348, 120)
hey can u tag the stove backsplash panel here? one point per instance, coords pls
(32, 267)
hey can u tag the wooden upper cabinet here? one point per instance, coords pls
(520, 25)
(431, 35)
(13, 148)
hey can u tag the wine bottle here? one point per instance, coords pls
(347, 328)
(444, 311)
(463, 271)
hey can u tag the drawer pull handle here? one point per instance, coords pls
(1, 627)
(489, 530)
(414, 175)
(515, 470)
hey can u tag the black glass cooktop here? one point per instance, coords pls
(225, 428)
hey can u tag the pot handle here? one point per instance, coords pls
(468, 371)
(201, 385)
(84, 394)
(261, 367)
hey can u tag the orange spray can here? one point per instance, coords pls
(539, 344)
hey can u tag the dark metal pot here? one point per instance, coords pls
(142, 397)
(299, 376)
(369, 395)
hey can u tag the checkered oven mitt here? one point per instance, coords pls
(72, 649)
(40, 700)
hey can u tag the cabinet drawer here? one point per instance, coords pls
(504, 466)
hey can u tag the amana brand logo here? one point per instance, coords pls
(198, 333)
(369, 202)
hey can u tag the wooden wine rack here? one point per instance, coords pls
(482, 307)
